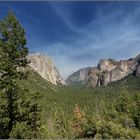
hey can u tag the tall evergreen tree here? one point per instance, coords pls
(18, 111)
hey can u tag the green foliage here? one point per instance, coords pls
(20, 131)
(79, 122)
(105, 112)
(19, 110)
(60, 123)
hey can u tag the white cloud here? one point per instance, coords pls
(114, 41)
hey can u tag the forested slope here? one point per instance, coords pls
(105, 112)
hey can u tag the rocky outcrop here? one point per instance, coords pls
(121, 70)
(138, 71)
(109, 70)
(93, 77)
(137, 58)
(79, 77)
(106, 65)
(44, 66)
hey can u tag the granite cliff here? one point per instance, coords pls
(107, 70)
(44, 66)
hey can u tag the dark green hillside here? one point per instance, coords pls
(117, 105)
(67, 96)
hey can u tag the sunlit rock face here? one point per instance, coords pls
(121, 69)
(44, 66)
(107, 70)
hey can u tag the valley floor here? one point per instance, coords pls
(78, 112)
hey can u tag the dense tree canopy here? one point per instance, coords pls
(18, 108)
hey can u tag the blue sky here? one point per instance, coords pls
(78, 34)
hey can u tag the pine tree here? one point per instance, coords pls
(79, 122)
(17, 105)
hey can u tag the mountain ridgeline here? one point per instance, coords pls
(45, 67)
(107, 71)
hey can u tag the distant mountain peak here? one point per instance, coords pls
(44, 66)
(107, 70)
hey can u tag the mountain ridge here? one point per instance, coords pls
(45, 67)
(107, 70)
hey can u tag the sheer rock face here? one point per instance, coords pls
(138, 71)
(78, 77)
(93, 77)
(137, 58)
(122, 69)
(108, 70)
(44, 66)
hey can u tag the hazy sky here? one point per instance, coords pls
(78, 34)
